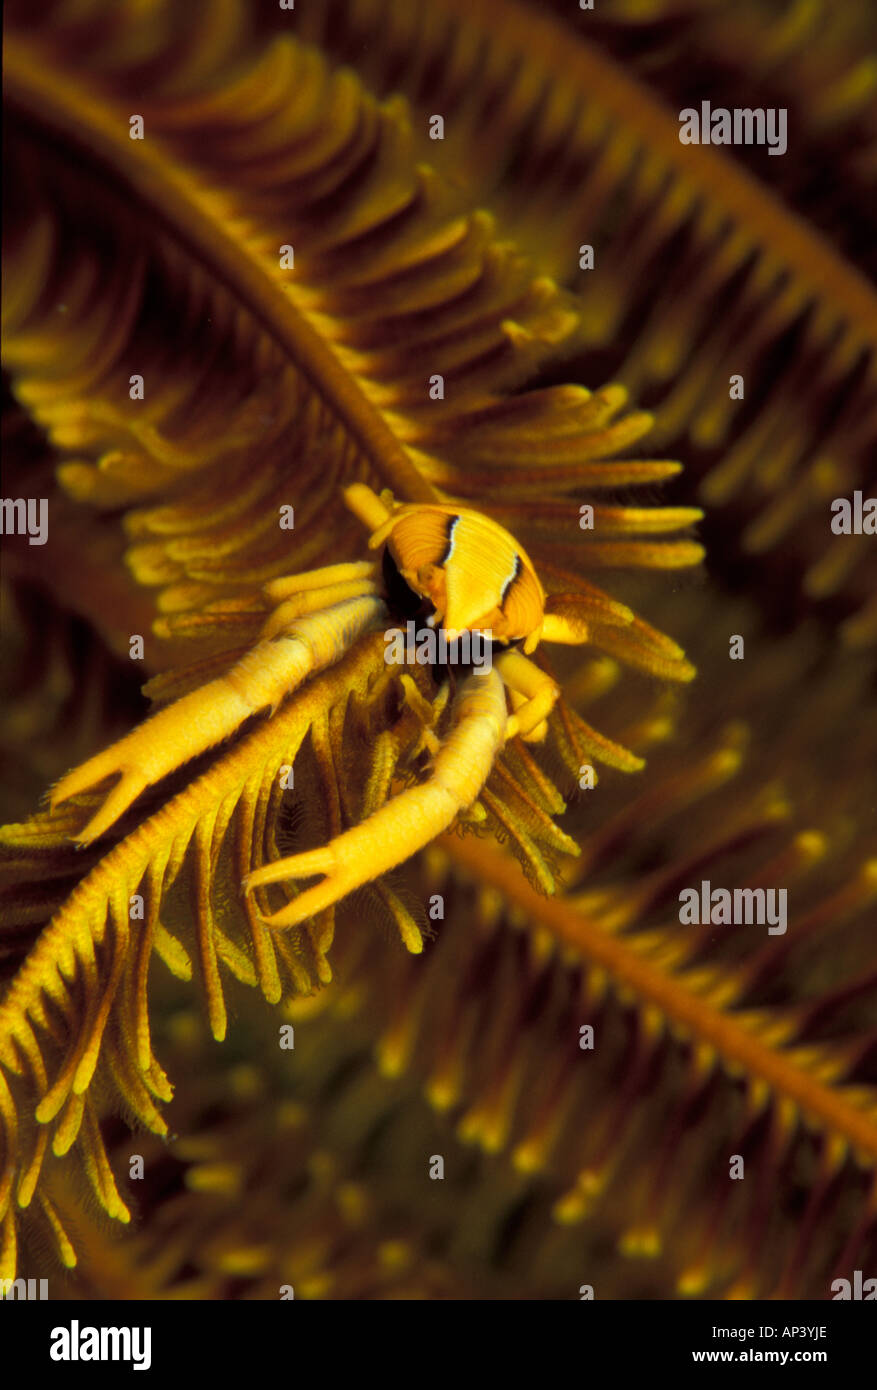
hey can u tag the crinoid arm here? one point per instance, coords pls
(297, 595)
(263, 677)
(408, 821)
(556, 628)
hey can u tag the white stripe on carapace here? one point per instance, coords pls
(452, 528)
(516, 570)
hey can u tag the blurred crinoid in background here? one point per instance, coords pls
(459, 252)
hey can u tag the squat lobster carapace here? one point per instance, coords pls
(474, 576)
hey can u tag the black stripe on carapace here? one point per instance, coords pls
(512, 577)
(453, 522)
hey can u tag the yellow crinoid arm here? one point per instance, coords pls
(410, 820)
(321, 579)
(297, 595)
(556, 628)
(260, 680)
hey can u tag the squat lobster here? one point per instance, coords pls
(475, 577)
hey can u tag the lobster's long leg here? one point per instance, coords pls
(410, 820)
(540, 694)
(268, 672)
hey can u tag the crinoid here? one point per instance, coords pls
(304, 316)
(388, 340)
